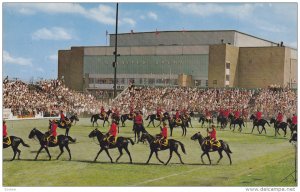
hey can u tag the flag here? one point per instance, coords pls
(106, 32)
(131, 31)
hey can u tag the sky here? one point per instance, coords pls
(32, 33)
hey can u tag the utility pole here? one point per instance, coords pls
(116, 54)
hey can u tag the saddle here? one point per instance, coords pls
(52, 139)
(178, 121)
(111, 139)
(6, 140)
(161, 142)
(213, 143)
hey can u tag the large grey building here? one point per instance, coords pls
(180, 58)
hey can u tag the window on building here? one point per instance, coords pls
(91, 80)
(151, 81)
(227, 65)
(206, 83)
(227, 77)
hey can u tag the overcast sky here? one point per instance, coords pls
(34, 32)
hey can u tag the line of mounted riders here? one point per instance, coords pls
(183, 120)
(122, 142)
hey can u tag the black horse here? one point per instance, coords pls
(62, 141)
(206, 147)
(172, 124)
(121, 143)
(203, 119)
(153, 117)
(293, 137)
(95, 117)
(125, 117)
(239, 121)
(292, 127)
(74, 118)
(223, 121)
(155, 147)
(279, 125)
(138, 129)
(261, 122)
(14, 142)
(67, 125)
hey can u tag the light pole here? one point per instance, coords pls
(116, 54)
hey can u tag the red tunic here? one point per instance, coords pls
(294, 119)
(279, 117)
(177, 115)
(113, 129)
(62, 117)
(102, 110)
(53, 129)
(258, 115)
(213, 134)
(226, 113)
(236, 114)
(4, 130)
(221, 112)
(138, 119)
(164, 132)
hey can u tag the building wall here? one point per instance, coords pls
(261, 67)
(232, 55)
(70, 66)
(244, 40)
(290, 67)
(216, 66)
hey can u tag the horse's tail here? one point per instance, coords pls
(24, 144)
(92, 118)
(131, 141)
(182, 146)
(71, 139)
(226, 146)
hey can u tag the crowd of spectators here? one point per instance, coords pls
(270, 101)
(46, 97)
(51, 96)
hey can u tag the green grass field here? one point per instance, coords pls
(258, 160)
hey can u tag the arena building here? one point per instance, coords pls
(223, 58)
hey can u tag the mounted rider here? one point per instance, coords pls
(236, 114)
(213, 137)
(62, 118)
(207, 114)
(177, 117)
(294, 120)
(51, 135)
(258, 115)
(116, 112)
(131, 112)
(159, 113)
(102, 112)
(6, 139)
(111, 135)
(162, 138)
(279, 118)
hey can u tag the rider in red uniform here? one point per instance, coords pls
(221, 112)
(162, 138)
(177, 116)
(62, 118)
(117, 113)
(258, 115)
(213, 136)
(102, 111)
(5, 138)
(294, 119)
(111, 136)
(207, 114)
(138, 119)
(158, 112)
(226, 113)
(236, 114)
(52, 133)
(131, 112)
(279, 118)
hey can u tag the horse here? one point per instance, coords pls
(204, 119)
(292, 127)
(66, 126)
(155, 147)
(95, 117)
(261, 122)
(14, 142)
(125, 117)
(121, 143)
(62, 142)
(277, 126)
(239, 121)
(222, 120)
(188, 118)
(206, 148)
(137, 131)
(173, 124)
(293, 138)
(74, 118)
(153, 117)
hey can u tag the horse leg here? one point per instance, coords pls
(208, 158)
(47, 150)
(151, 153)
(19, 153)
(38, 153)
(153, 123)
(170, 156)
(252, 129)
(158, 157)
(202, 157)
(121, 153)
(127, 151)
(67, 132)
(221, 156)
(61, 151)
(108, 155)
(171, 131)
(15, 152)
(176, 151)
(98, 154)
(228, 157)
(149, 123)
(285, 132)
(264, 129)
(184, 131)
